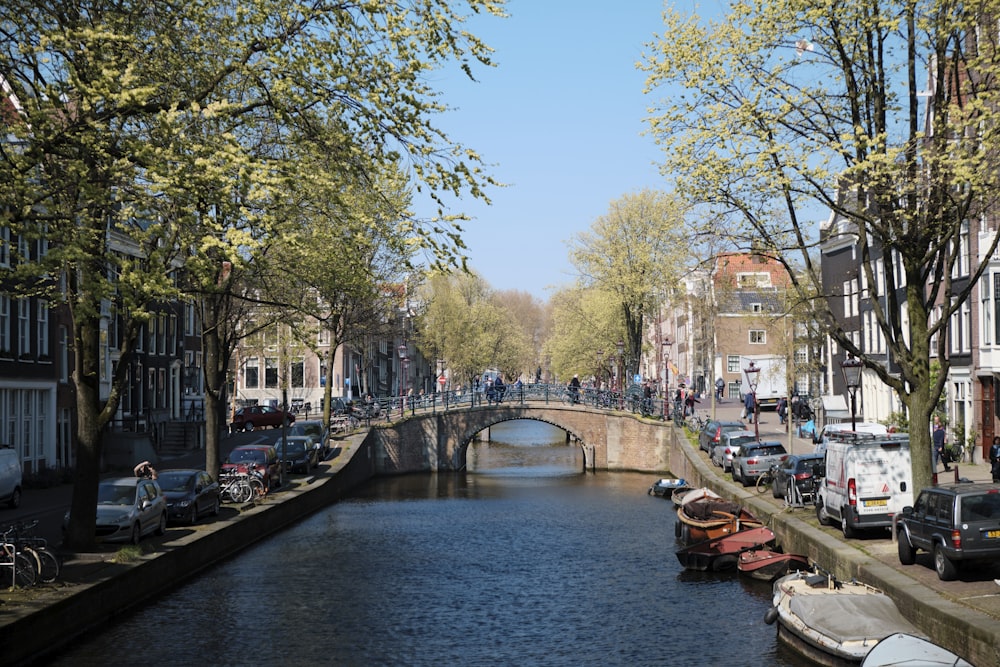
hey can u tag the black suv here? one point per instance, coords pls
(956, 523)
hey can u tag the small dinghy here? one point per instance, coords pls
(708, 518)
(691, 494)
(906, 650)
(721, 554)
(833, 622)
(666, 487)
(768, 565)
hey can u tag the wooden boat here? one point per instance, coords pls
(666, 487)
(721, 553)
(904, 649)
(709, 518)
(833, 622)
(691, 494)
(768, 565)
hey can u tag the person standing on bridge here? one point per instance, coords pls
(574, 389)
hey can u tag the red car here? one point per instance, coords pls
(252, 416)
(261, 458)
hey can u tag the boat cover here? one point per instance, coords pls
(847, 617)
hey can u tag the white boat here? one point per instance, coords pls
(905, 650)
(690, 495)
(833, 622)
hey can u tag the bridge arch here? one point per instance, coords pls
(439, 441)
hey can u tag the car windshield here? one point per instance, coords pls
(806, 465)
(294, 446)
(116, 494)
(981, 507)
(176, 481)
(243, 455)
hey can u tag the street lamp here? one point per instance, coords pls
(600, 356)
(852, 378)
(403, 361)
(666, 366)
(753, 377)
(620, 345)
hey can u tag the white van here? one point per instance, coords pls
(10, 477)
(830, 430)
(868, 480)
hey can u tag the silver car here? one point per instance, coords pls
(129, 508)
(729, 446)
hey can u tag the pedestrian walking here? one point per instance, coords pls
(782, 409)
(719, 386)
(995, 458)
(939, 440)
(749, 407)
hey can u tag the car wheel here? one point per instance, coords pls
(821, 515)
(136, 534)
(944, 566)
(193, 519)
(845, 525)
(736, 473)
(15, 499)
(161, 528)
(216, 506)
(777, 491)
(907, 554)
(743, 480)
(248, 427)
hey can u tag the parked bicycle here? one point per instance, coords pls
(767, 478)
(21, 567)
(45, 562)
(235, 487)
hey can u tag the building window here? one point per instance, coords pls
(5, 324)
(23, 327)
(758, 337)
(270, 373)
(64, 356)
(747, 280)
(733, 363)
(4, 246)
(251, 379)
(296, 372)
(756, 308)
(162, 333)
(43, 327)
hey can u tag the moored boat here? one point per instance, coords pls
(722, 553)
(666, 487)
(833, 622)
(903, 649)
(768, 565)
(692, 494)
(709, 518)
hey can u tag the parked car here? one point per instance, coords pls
(729, 445)
(299, 453)
(253, 416)
(957, 523)
(263, 459)
(313, 428)
(129, 508)
(799, 469)
(711, 435)
(190, 494)
(755, 459)
(10, 477)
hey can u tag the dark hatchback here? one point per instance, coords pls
(711, 435)
(956, 523)
(190, 494)
(299, 453)
(800, 468)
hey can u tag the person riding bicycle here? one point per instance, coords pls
(574, 389)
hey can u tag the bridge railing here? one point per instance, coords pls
(395, 406)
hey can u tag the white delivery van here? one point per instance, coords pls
(832, 430)
(10, 477)
(868, 480)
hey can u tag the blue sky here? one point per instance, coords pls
(560, 119)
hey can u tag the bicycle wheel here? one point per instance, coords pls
(256, 489)
(241, 491)
(763, 482)
(48, 565)
(24, 570)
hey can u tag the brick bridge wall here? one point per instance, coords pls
(439, 442)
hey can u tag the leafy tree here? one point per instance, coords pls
(143, 134)
(632, 252)
(584, 321)
(787, 107)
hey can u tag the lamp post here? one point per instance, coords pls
(403, 361)
(851, 368)
(620, 346)
(600, 356)
(666, 367)
(753, 377)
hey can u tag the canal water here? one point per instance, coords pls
(522, 560)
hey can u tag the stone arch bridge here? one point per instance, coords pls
(430, 442)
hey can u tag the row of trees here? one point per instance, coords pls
(184, 151)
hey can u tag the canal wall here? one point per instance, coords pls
(972, 634)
